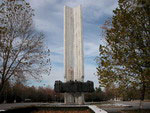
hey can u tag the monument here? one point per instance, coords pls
(75, 86)
(73, 50)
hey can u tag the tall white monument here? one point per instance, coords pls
(73, 51)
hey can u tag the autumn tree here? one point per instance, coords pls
(22, 51)
(124, 60)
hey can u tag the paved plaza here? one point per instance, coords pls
(110, 108)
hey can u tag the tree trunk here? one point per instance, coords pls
(143, 91)
(142, 94)
(2, 87)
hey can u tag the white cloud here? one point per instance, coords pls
(56, 74)
(57, 59)
(91, 49)
(40, 3)
(57, 49)
(90, 71)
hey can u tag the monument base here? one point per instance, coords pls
(74, 90)
(74, 98)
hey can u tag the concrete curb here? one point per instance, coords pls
(96, 109)
(91, 107)
(2, 110)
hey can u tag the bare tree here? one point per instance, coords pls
(22, 51)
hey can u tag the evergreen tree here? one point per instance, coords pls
(125, 60)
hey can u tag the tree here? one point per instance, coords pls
(19, 92)
(22, 51)
(125, 59)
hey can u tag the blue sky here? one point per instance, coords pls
(48, 18)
